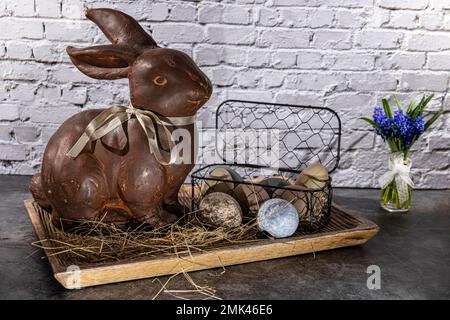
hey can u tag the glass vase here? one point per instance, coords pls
(396, 195)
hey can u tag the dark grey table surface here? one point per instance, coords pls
(412, 251)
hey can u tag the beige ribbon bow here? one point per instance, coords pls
(113, 117)
(400, 171)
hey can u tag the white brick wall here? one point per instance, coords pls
(343, 54)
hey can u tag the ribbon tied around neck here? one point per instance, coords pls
(399, 171)
(113, 117)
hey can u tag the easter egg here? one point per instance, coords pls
(318, 204)
(273, 183)
(260, 179)
(233, 174)
(226, 174)
(313, 177)
(310, 205)
(219, 209)
(278, 217)
(251, 197)
(296, 197)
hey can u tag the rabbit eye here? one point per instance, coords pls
(159, 81)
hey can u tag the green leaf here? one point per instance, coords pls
(370, 121)
(410, 107)
(392, 145)
(412, 143)
(432, 120)
(419, 109)
(415, 111)
(387, 108)
(398, 103)
(424, 104)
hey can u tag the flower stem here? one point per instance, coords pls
(390, 195)
(406, 154)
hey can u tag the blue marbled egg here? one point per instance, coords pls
(278, 217)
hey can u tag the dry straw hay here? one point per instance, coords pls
(93, 242)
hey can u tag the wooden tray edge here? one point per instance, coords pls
(365, 223)
(39, 230)
(93, 276)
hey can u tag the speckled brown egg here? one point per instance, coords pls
(219, 209)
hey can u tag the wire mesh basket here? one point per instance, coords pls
(260, 150)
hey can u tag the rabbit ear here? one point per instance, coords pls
(120, 28)
(103, 62)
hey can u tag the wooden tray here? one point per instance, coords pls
(344, 229)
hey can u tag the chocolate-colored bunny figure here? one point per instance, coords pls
(116, 177)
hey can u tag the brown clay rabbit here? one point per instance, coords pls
(117, 177)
